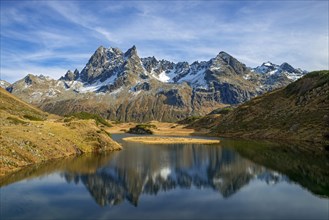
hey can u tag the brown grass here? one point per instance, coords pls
(170, 140)
(25, 141)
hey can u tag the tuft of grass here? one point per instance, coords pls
(33, 118)
(87, 116)
(16, 121)
(68, 119)
(108, 133)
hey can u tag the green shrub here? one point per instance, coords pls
(142, 129)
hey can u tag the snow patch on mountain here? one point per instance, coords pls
(285, 69)
(196, 79)
(166, 76)
(4, 84)
(85, 87)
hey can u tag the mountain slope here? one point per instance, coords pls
(29, 135)
(299, 111)
(122, 86)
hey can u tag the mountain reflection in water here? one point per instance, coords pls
(146, 169)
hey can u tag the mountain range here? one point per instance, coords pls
(122, 86)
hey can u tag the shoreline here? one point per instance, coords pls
(162, 128)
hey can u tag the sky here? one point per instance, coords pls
(50, 37)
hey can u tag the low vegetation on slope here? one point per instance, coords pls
(29, 135)
(299, 111)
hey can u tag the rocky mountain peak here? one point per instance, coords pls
(29, 79)
(149, 63)
(275, 73)
(98, 58)
(268, 63)
(230, 63)
(287, 67)
(133, 63)
(131, 52)
(114, 50)
(225, 56)
(101, 64)
(70, 76)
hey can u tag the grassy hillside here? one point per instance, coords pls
(299, 111)
(30, 136)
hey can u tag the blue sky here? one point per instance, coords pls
(50, 37)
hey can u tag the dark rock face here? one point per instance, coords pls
(174, 98)
(233, 94)
(233, 64)
(287, 67)
(122, 86)
(142, 86)
(28, 79)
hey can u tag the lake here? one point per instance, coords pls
(235, 179)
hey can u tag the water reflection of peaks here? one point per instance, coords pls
(158, 170)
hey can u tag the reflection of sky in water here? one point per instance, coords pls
(257, 199)
(190, 182)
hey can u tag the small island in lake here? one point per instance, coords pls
(170, 140)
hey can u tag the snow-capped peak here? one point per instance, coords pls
(268, 64)
(286, 69)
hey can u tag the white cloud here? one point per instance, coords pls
(253, 32)
(12, 75)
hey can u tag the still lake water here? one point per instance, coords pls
(235, 179)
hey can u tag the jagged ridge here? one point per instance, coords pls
(122, 86)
